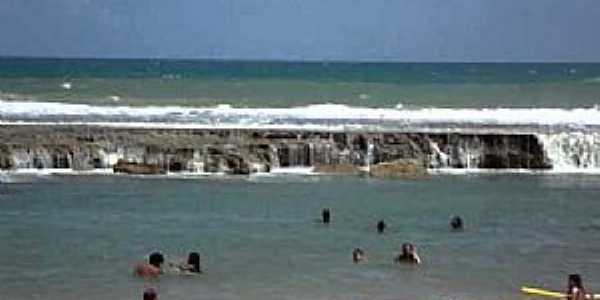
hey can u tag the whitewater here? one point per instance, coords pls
(321, 116)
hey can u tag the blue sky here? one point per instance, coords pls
(394, 30)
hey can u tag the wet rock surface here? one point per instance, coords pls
(247, 151)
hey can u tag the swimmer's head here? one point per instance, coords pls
(575, 281)
(326, 215)
(456, 223)
(150, 294)
(156, 259)
(408, 248)
(380, 226)
(194, 260)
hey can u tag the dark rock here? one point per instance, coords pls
(123, 166)
(152, 151)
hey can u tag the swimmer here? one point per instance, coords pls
(326, 216)
(193, 264)
(381, 226)
(575, 290)
(358, 255)
(456, 223)
(150, 294)
(408, 255)
(153, 268)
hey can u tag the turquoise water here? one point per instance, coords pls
(78, 237)
(286, 84)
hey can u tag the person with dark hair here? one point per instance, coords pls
(156, 259)
(575, 289)
(193, 263)
(326, 216)
(456, 223)
(150, 294)
(153, 268)
(381, 226)
(409, 255)
(358, 255)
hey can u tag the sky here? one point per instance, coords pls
(349, 30)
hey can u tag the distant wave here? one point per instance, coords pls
(592, 80)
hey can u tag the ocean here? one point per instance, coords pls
(78, 237)
(77, 234)
(201, 83)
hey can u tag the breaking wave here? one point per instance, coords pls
(314, 115)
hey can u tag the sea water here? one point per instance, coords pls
(78, 237)
(287, 84)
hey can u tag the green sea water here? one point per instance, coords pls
(288, 84)
(74, 238)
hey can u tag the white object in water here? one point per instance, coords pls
(115, 98)
(66, 85)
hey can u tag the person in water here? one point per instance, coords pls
(358, 255)
(193, 264)
(150, 294)
(381, 226)
(456, 223)
(575, 290)
(326, 216)
(153, 268)
(409, 255)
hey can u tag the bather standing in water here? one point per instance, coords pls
(151, 269)
(358, 255)
(409, 255)
(381, 226)
(192, 265)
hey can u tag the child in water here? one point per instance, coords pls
(409, 255)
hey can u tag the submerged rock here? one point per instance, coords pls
(402, 168)
(123, 166)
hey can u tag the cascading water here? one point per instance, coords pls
(463, 154)
(437, 158)
(572, 151)
(369, 157)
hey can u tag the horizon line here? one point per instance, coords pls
(282, 60)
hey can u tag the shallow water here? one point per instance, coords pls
(68, 237)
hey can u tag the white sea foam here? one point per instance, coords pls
(322, 115)
(475, 171)
(51, 171)
(293, 171)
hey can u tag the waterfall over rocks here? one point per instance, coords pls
(577, 150)
(249, 151)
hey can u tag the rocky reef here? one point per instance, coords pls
(231, 151)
